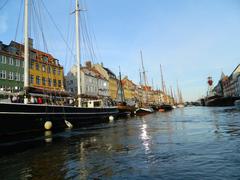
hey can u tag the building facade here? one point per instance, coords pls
(230, 83)
(238, 86)
(112, 79)
(45, 72)
(129, 89)
(113, 84)
(11, 68)
(93, 84)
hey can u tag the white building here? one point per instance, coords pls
(93, 84)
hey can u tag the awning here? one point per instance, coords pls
(39, 95)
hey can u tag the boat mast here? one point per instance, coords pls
(78, 55)
(179, 94)
(163, 86)
(140, 75)
(121, 86)
(144, 72)
(144, 76)
(26, 50)
(172, 95)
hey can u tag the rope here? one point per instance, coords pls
(19, 16)
(4, 4)
(52, 20)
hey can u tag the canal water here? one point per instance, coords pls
(187, 143)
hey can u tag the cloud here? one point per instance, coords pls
(3, 24)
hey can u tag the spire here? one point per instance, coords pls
(222, 75)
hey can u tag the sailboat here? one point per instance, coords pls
(164, 106)
(24, 117)
(180, 103)
(144, 108)
(123, 107)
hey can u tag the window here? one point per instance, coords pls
(10, 75)
(45, 58)
(44, 81)
(33, 55)
(3, 59)
(43, 68)
(2, 74)
(22, 77)
(54, 70)
(55, 83)
(18, 62)
(49, 82)
(49, 69)
(38, 81)
(59, 71)
(11, 61)
(59, 83)
(31, 79)
(32, 64)
(37, 66)
(17, 77)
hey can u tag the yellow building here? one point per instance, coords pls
(129, 89)
(45, 72)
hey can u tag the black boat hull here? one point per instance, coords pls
(19, 118)
(221, 101)
(165, 107)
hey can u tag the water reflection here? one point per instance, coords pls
(145, 137)
(48, 136)
(180, 144)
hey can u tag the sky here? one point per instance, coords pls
(191, 39)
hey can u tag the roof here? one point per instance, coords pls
(110, 72)
(93, 72)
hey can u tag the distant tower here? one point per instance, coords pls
(210, 86)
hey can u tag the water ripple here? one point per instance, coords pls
(189, 143)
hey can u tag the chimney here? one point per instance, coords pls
(88, 64)
(102, 64)
(30, 42)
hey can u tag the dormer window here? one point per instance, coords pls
(45, 59)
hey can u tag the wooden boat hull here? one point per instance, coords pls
(125, 110)
(19, 118)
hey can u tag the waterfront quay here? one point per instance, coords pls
(186, 143)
